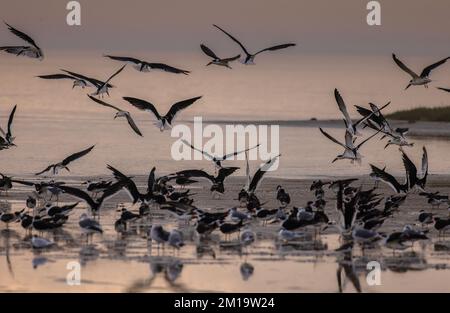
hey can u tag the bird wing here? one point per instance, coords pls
(10, 120)
(196, 149)
(131, 187)
(151, 180)
(143, 105)
(386, 177)
(80, 194)
(234, 39)
(366, 140)
(104, 103)
(259, 174)
(342, 106)
(76, 155)
(93, 81)
(232, 58)
(123, 59)
(426, 71)
(277, 47)
(404, 67)
(45, 170)
(133, 124)
(227, 156)
(23, 182)
(224, 172)
(444, 89)
(332, 138)
(208, 52)
(424, 163)
(178, 107)
(166, 68)
(411, 170)
(196, 173)
(21, 35)
(56, 76)
(113, 75)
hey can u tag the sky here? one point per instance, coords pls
(413, 27)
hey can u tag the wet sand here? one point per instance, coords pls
(130, 263)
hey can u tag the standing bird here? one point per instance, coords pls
(217, 160)
(283, 196)
(64, 163)
(416, 79)
(250, 58)
(351, 152)
(104, 88)
(32, 51)
(78, 79)
(143, 66)
(119, 113)
(89, 225)
(8, 140)
(216, 60)
(163, 122)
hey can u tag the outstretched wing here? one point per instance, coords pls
(424, 163)
(227, 156)
(166, 68)
(104, 103)
(95, 82)
(444, 89)
(426, 71)
(196, 149)
(278, 47)
(21, 35)
(404, 67)
(48, 168)
(151, 180)
(123, 59)
(114, 75)
(57, 76)
(10, 120)
(80, 194)
(386, 177)
(143, 105)
(342, 107)
(177, 107)
(131, 187)
(256, 180)
(232, 38)
(208, 52)
(332, 138)
(411, 170)
(224, 172)
(133, 124)
(77, 155)
(366, 140)
(232, 58)
(195, 173)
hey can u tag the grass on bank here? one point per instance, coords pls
(441, 114)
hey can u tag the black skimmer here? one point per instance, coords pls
(97, 186)
(390, 180)
(88, 225)
(8, 218)
(5, 183)
(7, 140)
(250, 58)
(32, 51)
(351, 151)
(425, 218)
(422, 79)
(119, 113)
(53, 210)
(204, 228)
(104, 88)
(229, 228)
(217, 181)
(78, 79)
(283, 196)
(441, 225)
(41, 243)
(217, 160)
(265, 214)
(435, 199)
(64, 163)
(216, 60)
(143, 66)
(159, 234)
(163, 122)
(415, 180)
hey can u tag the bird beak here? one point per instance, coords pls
(409, 85)
(334, 160)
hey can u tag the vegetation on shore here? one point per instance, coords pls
(441, 114)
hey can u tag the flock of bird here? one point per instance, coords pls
(359, 212)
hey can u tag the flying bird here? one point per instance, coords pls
(390, 180)
(103, 88)
(217, 160)
(422, 79)
(217, 182)
(7, 139)
(216, 60)
(78, 79)
(64, 163)
(143, 66)
(250, 58)
(119, 113)
(32, 51)
(351, 152)
(163, 122)
(415, 180)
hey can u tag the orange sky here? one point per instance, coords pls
(413, 27)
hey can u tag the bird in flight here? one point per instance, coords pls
(7, 140)
(163, 122)
(422, 79)
(415, 180)
(143, 66)
(64, 163)
(78, 79)
(216, 60)
(217, 181)
(390, 180)
(32, 51)
(217, 160)
(119, 113)
(103, 88)
(250, 58)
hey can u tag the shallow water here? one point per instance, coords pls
(131, 263)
